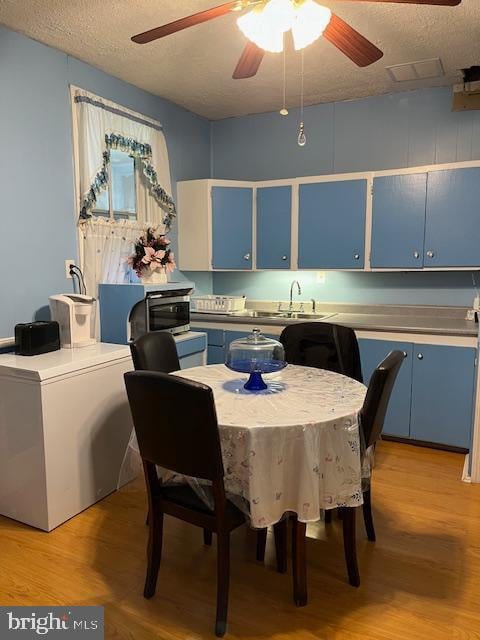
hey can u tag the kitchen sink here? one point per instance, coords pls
(305, 316)
(308, 316)
(297, 315)
(266, 314)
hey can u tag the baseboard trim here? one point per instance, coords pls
(423, 443)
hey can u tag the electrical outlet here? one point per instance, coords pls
(67, 268)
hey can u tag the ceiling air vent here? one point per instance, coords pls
(419, 70)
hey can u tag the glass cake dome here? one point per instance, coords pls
(255, 355)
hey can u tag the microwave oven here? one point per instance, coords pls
(160, 311)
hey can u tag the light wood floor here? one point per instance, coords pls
(420, 581)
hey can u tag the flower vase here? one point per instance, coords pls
(154, 276)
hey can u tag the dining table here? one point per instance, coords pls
(293, 448)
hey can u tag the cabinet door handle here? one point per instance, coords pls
(405, 354)
(416, 255)
(420, 356)
(357, 256)
(430, 254)
(284, 257)
(246, 256)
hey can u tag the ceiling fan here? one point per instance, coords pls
(268, 20)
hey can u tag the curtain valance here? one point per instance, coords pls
(101, 126)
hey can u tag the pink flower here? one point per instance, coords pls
(152, 257)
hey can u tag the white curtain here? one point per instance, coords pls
(106, 244)
(95, 118)
(148, 210)
(106, 247)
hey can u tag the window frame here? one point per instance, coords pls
(111, 213)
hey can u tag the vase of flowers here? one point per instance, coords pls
(152, 259)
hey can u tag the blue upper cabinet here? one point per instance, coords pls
(274, 223)
(452, 234)
(331, 232)
(442, 394)
(232, 222)
(398, 221)
(372, 352)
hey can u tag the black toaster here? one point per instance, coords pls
(34, 338)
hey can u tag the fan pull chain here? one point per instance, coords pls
(302, 138)
(284, 110)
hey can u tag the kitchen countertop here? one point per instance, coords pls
(62, 361)
(389, 318)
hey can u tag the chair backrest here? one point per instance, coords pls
(372, 415)
(155, 351)
(176, 423)
(324, 346)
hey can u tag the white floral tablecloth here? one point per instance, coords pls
(294, 447)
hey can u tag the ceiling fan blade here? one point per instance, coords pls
(440, 3)
(351, 43)
(249, 62)
(190, 21)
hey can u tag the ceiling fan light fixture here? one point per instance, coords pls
(265, 26)
(309, 22)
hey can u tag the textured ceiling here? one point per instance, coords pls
(194, 67)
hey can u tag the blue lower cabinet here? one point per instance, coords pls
(234, 335)
(215, 337)
(372, 352)
(193, 345)
(215, 344)
(192, 360)
(215, 355)
(443, 394)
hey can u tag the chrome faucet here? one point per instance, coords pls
(314, 305)
(299, 291)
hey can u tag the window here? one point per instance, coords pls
(118, 201)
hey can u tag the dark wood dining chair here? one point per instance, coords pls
(155, 351)
(182, 436)
(371, 419)
(323, 346)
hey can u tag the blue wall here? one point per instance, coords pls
(37, 232)
(449, 289)
(37, 226)
(382, 132)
